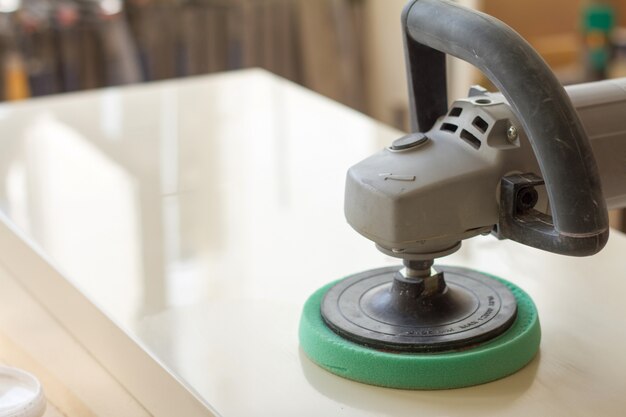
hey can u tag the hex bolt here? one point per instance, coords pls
(526, 199)
(418, 269)
(511, 134)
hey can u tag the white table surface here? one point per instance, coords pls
(75, 383)
(198, 215)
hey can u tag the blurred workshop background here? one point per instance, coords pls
(348, 50)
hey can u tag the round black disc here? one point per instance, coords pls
(380, 309)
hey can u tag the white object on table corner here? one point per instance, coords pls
(21, 394)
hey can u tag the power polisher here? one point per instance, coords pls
(519, 164)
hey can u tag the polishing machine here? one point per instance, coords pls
(536, 163)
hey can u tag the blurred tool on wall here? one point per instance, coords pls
(62, 45)
(53, 46)
(597, 28)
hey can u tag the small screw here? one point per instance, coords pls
(527, 198)
(511, 134)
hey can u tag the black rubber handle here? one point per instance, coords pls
(433, 28)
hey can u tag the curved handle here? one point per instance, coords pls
(433, 28)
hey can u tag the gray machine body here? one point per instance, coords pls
(420, 202)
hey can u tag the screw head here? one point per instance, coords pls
(526, 199)
(512, 134)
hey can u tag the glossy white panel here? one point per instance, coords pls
(200, 214)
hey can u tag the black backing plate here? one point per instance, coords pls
(474, 308)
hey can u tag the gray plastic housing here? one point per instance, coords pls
(420, 202)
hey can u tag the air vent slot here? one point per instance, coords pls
(449, 127)
(480, 124)
(471, 139)
(455, 111)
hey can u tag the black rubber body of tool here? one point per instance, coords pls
(432, 28)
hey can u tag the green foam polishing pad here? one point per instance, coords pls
(491, 360)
